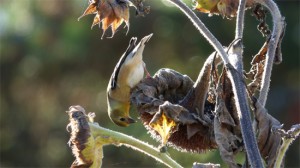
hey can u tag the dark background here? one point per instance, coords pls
(50, 61)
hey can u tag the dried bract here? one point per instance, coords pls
(109, 13)
(163, 125)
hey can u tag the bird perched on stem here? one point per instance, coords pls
(128, 72)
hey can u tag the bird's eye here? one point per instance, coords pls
(122, 119)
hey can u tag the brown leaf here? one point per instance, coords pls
(261, 55)
(226, 124)
(268, 142)
(260, 14)
(257, 69)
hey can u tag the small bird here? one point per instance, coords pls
(128, 72)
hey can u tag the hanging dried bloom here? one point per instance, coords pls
(85, 147)
(111, 13)
(168, 122)
(227, 8)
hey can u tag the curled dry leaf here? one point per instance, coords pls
(111, 13)
(257, 68)
(268, 141)
(226, 8)
(260, 14)
(82, 142)
(258, 63)
(226, 124)
(162, 95)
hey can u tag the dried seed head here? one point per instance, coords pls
(111, 13)
(226, 8)
(157, 101)
(87, 152)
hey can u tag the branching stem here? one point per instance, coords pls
(238, 87)
(122, 139)
(235, 73)
(286, 142)
(202, 28)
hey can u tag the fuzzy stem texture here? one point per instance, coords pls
(242, 106)
(202, 29)
(118, 138)
(286, 142)
(235, 74)
(239, 30)
(278, 23)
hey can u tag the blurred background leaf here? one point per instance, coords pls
(50, 61)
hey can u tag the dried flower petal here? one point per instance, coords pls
(111, 13)
(91, 9)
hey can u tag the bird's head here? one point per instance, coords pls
(118, 112)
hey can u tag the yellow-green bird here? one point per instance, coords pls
(128, 72)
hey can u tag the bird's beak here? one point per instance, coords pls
(146, 38)
(130, 120)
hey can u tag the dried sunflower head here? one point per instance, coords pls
(111, 13)
(167, 121)
(226, 8)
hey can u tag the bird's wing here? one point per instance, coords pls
(114, 77)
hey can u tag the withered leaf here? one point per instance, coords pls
(257, 69)
(226, 125)
(268, 142)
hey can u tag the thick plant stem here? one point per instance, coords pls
(236, 56)
(235, 74)
(238, 86)
(239, 29)
(122, 139)
(202, 28)
(278, 23)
